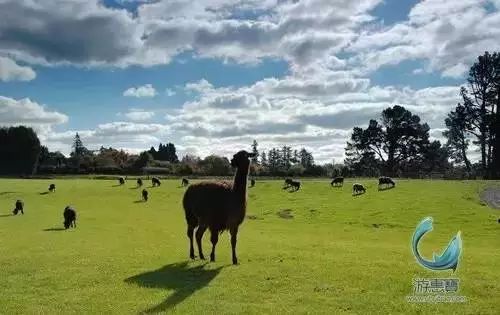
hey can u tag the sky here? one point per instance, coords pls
(213, 75)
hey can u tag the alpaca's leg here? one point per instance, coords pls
(214, 238)
(199, 234)
(234, 233)
(190, 232)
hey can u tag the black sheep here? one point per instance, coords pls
(139, 182)
(185, 182)
(69, 217)
(387, 181)
(52, 187)
(144, 195)
(121, 180)
(337, 182)
(19, 207)
(155, 181)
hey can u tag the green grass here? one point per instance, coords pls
(337, 254)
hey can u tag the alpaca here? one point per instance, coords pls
(144, 195)
(19, 207)
(139, 182)
(218, 206)
(121, 180)
(252, 182)
(387, 181)
(52, 187)
(69, 217)
(337, 182)
(155, 181)
(358, 189)
(185, 182)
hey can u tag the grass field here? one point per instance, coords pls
(328, 252)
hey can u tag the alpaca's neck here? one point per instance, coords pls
(240, 182)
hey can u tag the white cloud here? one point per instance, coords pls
(11, 71)
(139, 115)
(130, 136)
(25, 111)
(169, 92)
(146, 90)
(448, 34)
(29, 113)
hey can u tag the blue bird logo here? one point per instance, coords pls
(447, 260)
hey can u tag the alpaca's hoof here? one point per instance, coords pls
(235, 261)
(212, 258)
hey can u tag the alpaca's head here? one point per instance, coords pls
(241, 159)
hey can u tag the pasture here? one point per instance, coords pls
(318, 250)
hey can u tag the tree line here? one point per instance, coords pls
(397, 144)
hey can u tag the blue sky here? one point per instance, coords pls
(213, 75)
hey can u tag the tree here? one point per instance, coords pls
(255, 151)
(19, 151)
(306, 158)
(263, 159)
(215, 166)
(144, 159)
(456, 135)
(400, 137)
(79, 150)
(479, 100)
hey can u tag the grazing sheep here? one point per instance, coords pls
(295, 184)
(52, 187)
(69, 217)
(185, 182)
(144, 195)
(155, 181)
(337, 182)
(19, 207)
(121, 180)
(358, 189)
(218, 206)
(252, 182)
(387, 181)
(290, 183)
(139, 182)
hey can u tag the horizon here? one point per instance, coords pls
(213, 76)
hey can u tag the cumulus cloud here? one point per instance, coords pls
(130, 136)
(11, 71)
(139, 115)
(146, 90)
(25, 111)
(447, 34)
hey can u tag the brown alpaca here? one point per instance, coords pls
(218, 206)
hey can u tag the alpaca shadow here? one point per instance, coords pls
(386, 188)
(140, 201)
(54, 229)
(179, 277)
(44, 193)
(6, 215)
